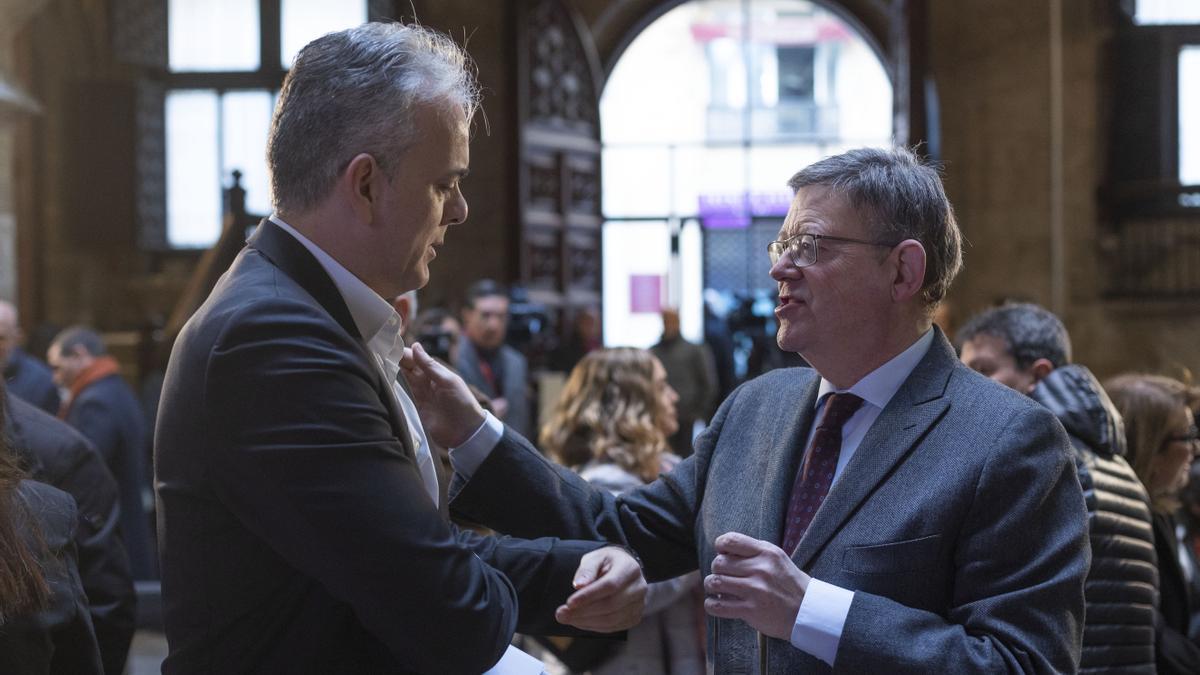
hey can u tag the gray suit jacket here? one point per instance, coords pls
(959, 522)
(514, 387)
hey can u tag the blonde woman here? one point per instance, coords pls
(1162, 441)
(611, 424)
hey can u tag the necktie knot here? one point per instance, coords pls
(838, 409)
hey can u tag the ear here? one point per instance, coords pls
(908, 263)
(1040, 369)
(360, 183)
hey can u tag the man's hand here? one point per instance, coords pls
(756, 582)
(611, 593)
(449, 412)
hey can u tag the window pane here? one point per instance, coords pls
(1189, 115)
(213, 35)
(245, 122)
(306, 20)
(193, 190)
(1151, 12)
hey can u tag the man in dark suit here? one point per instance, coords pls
(54, 453)
(26, 376)
(299, 519)
(101, 406)
(484, 361)
(887, 511)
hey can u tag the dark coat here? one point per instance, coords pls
(31, 379)
(1177, 654)
(296, 533)
(54, 453)
(109, 415)
(513, 386)
(959, 523)
(1118, 635)
(59, 639)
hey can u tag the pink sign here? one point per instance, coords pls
(645, 293)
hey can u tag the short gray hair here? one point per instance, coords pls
(79, 336)
(357, 91)
(1029, 332)
(902, 197)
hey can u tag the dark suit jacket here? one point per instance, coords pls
(56, 454)
(109, 415)
(1175, 652)
(57, 640)
(514, 385)
(959, 522)
(31, 379)
(295, 531)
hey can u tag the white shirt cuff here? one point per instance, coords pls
(819, 623)
(467, 457)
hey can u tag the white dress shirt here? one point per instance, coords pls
(379, 325)
(822, 616)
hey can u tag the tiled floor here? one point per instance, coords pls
(147, 653)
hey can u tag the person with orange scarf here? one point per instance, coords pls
(100, 405)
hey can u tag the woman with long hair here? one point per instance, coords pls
(611, 424)
(1161, 442)
(45, 627)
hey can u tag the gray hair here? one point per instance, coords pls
(79, 336)
(1030, 332)
(903, 198)
(357, 91)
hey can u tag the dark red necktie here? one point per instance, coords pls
(816, 472)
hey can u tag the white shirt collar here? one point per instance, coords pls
(372, 314)
(880, 385)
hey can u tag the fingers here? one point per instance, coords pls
(728, 607)
(591, 566)
(738, 544)
(731, 587)
(603, 574)
(606, 622)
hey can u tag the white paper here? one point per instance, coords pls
(517, 662)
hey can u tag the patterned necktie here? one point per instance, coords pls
(816, 472)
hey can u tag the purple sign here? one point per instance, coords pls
(736, 210)
(645, 293)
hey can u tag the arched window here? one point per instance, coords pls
(704, 118)
(226, 62)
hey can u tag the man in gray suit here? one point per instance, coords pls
(888, 510)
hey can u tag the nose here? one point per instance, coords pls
(784, 269)
(456, 210)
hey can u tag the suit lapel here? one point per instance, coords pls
(916, 407)
(294, 260)
(783, 461)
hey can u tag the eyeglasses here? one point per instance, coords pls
(802, 248)
(1192, 436)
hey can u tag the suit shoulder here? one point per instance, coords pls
(52, 508)
(53, 447)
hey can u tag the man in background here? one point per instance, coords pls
(102, 407)
(26, 376)
(1027, 348)
(498, 370)
(692, 374)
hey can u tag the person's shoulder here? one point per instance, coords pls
(513, 354)
(54, 445)
(49, 505)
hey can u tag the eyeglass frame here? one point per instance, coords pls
(785, 245)
(1192, 436)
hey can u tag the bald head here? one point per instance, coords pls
(10, 331)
